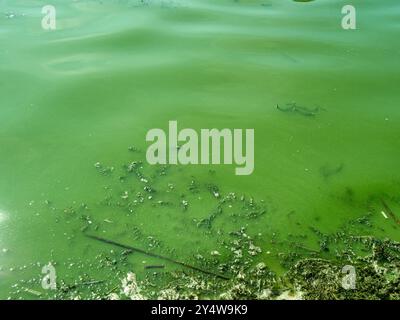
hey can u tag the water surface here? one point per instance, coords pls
(112, 70)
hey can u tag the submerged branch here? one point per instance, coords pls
(124, 246)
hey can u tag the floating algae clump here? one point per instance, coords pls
(233, 262)
(377, 276)
(130, 287)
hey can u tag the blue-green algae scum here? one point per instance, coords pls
(78, 197)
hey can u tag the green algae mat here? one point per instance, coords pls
(107, 190)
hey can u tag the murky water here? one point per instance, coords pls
(89, 91)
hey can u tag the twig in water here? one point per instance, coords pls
(124, 246)
(154, 267)
(293, 107)
(87, 283)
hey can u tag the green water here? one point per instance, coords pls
(113, 70)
